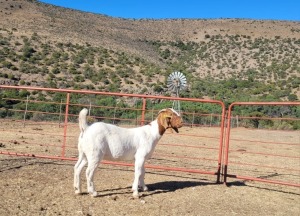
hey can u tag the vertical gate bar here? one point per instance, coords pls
(227, 142)
(143, 111)
(221, 143)
(224, 141)
(65, 125)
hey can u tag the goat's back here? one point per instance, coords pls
(116, 143)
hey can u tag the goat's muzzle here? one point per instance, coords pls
(176, 122)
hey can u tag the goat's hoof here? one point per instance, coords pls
(142, 188)
(136, 195)
(94, 194)
(145, 188)
(77, 192)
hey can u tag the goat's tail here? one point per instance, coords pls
(82, 120)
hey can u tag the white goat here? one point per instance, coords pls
(105, 141)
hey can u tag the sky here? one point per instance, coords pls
(190, 9)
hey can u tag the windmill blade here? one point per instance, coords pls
(176, 81)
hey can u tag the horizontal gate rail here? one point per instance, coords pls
(57, 139)
(209, 146)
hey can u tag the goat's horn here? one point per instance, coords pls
(162, 110)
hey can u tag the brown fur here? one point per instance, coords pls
(168, 119)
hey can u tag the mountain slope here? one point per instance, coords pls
(51, 46)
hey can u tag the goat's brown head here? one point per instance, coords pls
(168, 118)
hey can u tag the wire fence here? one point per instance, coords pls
(47, 128)
(252, 141)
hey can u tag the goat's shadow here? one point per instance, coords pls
(171, 186)
(156, 188)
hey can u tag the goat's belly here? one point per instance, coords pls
(119, 155)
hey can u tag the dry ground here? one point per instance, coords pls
(33, 186)
(44, 187)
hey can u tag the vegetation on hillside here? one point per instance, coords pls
(228, 68)
(236, 67)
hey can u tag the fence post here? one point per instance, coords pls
(143, 111)
(59, 118)
(65, 125)
(90, 107)
(26, 107)
(193, 120)
(115, 109)
(152, 113)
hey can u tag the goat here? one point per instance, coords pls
(106, 141)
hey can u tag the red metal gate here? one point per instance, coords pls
(52, 130)
(257, 147)
(260, 147)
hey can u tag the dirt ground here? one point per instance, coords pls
(34, 186)
(44, 187)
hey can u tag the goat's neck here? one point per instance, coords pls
(157, 129)
(161, 129)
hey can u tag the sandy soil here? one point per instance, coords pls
(34, 186)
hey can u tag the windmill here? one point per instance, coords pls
(176, 82)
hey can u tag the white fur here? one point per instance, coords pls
(105, 141)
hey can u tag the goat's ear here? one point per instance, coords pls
(166, 120)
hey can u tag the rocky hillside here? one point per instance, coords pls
(228, 59)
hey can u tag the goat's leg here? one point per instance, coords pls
(90, 171)
(142, 180)
(138, 167)
(77, 171)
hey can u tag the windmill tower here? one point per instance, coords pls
(176, 82)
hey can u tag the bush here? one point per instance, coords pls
(292, 97)
(37, 117)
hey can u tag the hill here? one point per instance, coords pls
(227, 59)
